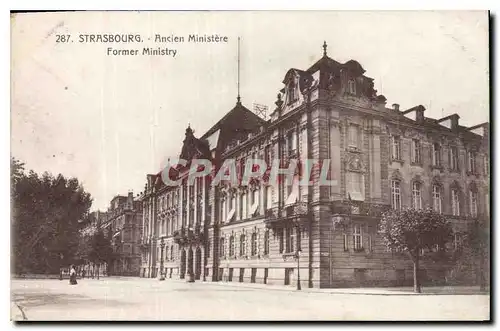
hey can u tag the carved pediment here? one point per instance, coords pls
(354, 162)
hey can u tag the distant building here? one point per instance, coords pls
(123, 226)
(379, 157)
(95, 221)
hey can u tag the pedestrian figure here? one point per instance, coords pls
(72, 276)
(83, 273)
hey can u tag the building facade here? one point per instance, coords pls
(123, 226)
(374, 157)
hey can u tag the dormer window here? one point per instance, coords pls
(292, 92)
(351, 86)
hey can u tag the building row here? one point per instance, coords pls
(121, 225)
(379, 158)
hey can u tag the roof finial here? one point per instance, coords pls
(324, 48)
(238, 99)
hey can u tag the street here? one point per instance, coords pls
(172, 300)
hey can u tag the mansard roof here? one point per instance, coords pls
(324, 63)
(238, 122)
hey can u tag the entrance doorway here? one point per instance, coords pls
(183, 264)
(198, 263)
(190, 261)
(254, 275)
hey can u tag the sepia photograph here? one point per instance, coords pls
(250, 166)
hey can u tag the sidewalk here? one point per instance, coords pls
(437, 290)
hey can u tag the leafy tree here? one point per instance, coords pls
(46, 215)
(411, 230)
(476, 244)
(101, 250)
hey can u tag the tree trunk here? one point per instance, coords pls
(416, 280)
(482, 280)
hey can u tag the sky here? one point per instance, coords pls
(110, 120)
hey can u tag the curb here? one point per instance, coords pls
(17, 313)
(326, 290)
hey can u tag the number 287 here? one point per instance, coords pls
(62, 38)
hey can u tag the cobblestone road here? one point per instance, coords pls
(150, 299)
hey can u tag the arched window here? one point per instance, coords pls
(231, 245)
(221, 247)
(455, 201)
(242, 245)
(396, 194)
(254, 244)
(416, 194)
(266, 242)
(473, 202)
(437, 198)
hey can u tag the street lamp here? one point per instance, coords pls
(190, 262)
(60, 267)
(298, 269)
(162, 245)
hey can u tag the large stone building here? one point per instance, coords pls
(379, 158)
(123, 226)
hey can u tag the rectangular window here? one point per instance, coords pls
(357, 238)
(453, 158)
(457, 240)
(355, 184)
(417, 195)
(396, 147)
(396, 194)
(353, 135)
(455, 202)
(243, 245)
(221, 247)
(244, 208)
(291, 143)
(436, 155)
(269, 197)
(290, 248)
(223, 210)
(436, 198)
(351, 85)
(471, 158)
(266, 242)
(231, 246)
(254, 205)
(415, 151)
(473, 203)
(281, 239)
(267, 155)
(485, 165)
(346, 242)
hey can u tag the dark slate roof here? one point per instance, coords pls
(323, 63)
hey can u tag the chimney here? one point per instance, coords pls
(415, 113)
(420, 114)
(454, 121)
(395, 106)
(451, 121)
